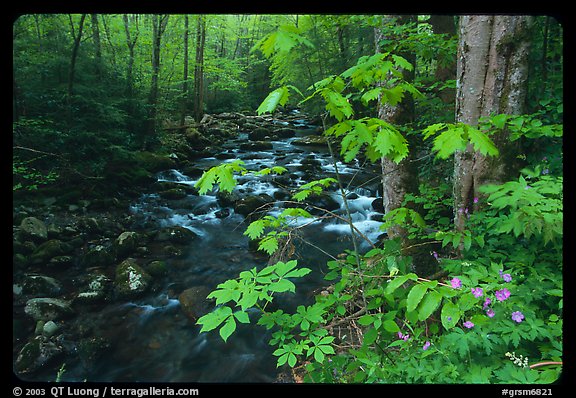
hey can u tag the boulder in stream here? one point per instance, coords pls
(175, 234)
(194, 303)
(131, 280)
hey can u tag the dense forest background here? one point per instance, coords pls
(88, 87)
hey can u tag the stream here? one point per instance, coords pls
(152, 340)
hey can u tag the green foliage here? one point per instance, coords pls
(315, 187)
(528, 209)
(26, 177)
(223, 175)
(455, 137)
(278, 228)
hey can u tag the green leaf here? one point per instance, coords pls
(269, 244)
(242, 317)
(228, 328)
(283, 285)
(481, 142)
(429, 304)
(212, 320)
(414, 296)
(366, 320)
(391, 326)
(399, 281)
(275, 98)
(255, 229)
(449, 141)
(450, 314)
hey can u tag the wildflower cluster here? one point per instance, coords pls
(518, 360)
(500, 295)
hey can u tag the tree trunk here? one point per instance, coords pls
(158, 26)
(72, 69)
(397, 179)
(97, 46)
(492, 75)
(402, 178)
(184, 103)
(444, 24)
(199, 69)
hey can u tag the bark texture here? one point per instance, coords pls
(492, 74)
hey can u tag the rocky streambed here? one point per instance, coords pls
(111, 287)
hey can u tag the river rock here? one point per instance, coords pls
(250, 204)
(126, 243)
(131, 280)
(48, 309)
(97, 256)
(48, 250)
(311, 140)
(258, 134)
(34, 229)
(284, 132)
(194, 303)
(60, 262)
(176, 234)
(35, 354)
(157, 268)
(95, 291)
(256, 146)
(173, 194)
(378, 205)
(41, 286)
(49, 329)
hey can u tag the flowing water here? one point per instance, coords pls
(152, 340)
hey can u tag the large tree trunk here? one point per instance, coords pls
(492, 75)
(199, 69)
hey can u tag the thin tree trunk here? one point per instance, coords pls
(158, 26)
(97, 46)
(199, 69)
(397, 179)
(72, 69)
(183, 106)
(492, 75)
(444, 24)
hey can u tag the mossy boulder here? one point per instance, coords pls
(131, 280)
(34, 229)
(96, 290)
(48, 309)
(126, 243)
(157, 268)
(41, 286)
(98, 256)
(35, 354)
(48, 250)
(176, 234)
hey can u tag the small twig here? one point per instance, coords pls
(355, 315)
(536, 365)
